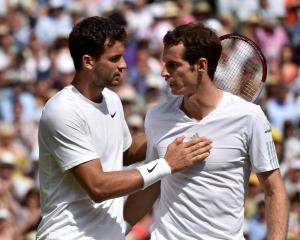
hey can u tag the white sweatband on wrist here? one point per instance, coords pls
(154, 171)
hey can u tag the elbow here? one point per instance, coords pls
(97, 195)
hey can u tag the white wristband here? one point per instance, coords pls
(154, 171)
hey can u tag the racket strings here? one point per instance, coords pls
(240, 69)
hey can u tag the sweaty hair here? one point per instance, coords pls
(89, 36)
(199, 42)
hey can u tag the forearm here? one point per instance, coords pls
(101, 185)
(137, 150)
(114, 184)
(143, 201)
(276, 205)
(277, 216)
(149, 173)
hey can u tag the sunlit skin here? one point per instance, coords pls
(109, 67)
(180, 75)
(107, 71)
(191, 80)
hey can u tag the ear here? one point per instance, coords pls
(202, 65)
(88, 62)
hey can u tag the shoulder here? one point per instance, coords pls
(162, 114)
(164, 107)
(62, 107)
(111, 96)
(242, 106)
(63, 100)
(109, 93)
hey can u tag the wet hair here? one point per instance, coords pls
(199, 42)
(90, 35)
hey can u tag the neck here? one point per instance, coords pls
(82, 82)
(201, 103)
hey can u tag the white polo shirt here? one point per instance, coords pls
(206, 201)
(74, 130)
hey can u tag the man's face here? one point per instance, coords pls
(180, 75)
(110, 67)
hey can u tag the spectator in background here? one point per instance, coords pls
(129, 98)
(7, 230)
(55, 22)
(19, 24)
(8, 47)
(253, 190)
(271, 38)
(294, 219)
(291, 142)
(138, 17)
(16, 92)
(146, 67)
(257, 226)
(37, 59)
(288, 69)
(63, 69)
(204, 13)
(292, 178)
(135, 123)
(29, 214)
(9, 143)
(280, 108)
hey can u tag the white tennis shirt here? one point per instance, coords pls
(206, 201)
(74, 130)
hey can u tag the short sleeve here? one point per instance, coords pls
(262, 151)
(64, 134)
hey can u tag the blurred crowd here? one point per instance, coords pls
(35, 63)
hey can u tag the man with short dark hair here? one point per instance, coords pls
(83, 138)
(207, 201)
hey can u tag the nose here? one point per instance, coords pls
(122, 64)
(164, 72)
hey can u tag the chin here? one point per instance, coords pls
(176, 93)
(115, 83)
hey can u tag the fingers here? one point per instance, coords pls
(200, 157)
(196, 141)
(201, 151)
(201, 145)
(179, 140)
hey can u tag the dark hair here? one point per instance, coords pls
(199, 42)
(89, 36)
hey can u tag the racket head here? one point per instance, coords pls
(242, 68)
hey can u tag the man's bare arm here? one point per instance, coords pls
(102, 185)
(142, 200)
(137, 150)
(276, 204)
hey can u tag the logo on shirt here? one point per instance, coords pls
(113, 115)
(194, 136)
(268, 129)
(151, 169)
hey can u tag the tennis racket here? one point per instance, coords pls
(242, 68)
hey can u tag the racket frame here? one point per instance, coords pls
(260, 55)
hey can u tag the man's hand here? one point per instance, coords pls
(181, 155)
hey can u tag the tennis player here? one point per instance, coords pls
(83, 137)
(206, 202)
